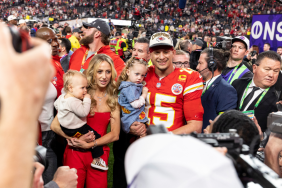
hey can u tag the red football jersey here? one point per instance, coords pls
(174, 98)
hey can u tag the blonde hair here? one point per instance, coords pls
(68, 78)
(92, 84)
(123, 75)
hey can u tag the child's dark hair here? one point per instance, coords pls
(233, 119)
(123, 76)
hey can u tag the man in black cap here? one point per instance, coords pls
(197, 46)
(95, 41)
(74, 39)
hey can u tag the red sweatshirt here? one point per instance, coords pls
(57, 80)
(77, 57)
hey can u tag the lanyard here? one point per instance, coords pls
(63, 57)
(257, 103)
(233, 73)
(206, 89)
(84, 58)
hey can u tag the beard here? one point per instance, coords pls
(86, 40)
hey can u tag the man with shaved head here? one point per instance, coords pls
(49, 35)
(44, 119)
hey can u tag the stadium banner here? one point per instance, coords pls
(73, 23)
(266, 28)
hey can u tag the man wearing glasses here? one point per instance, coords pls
(235, 67)
(181, 59)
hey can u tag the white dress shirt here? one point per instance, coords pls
(47, 114)
(210, 81)
(256, 94)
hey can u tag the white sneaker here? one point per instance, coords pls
(99, 163)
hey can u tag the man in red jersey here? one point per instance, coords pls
(95, 41)
(174, 97)
(174, 100)
(49, 35)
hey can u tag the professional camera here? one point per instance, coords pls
(250, 170)
(224, 43)
(40, 155)
(132, 36)
(253, 53)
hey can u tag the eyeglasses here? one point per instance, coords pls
(51, 40)
(181, 63)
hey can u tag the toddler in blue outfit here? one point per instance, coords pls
(130, 88)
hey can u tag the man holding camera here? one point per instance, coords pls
(258, 95)
(235, 67)
(197, 46)
(218, 96)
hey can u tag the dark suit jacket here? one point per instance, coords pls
(65, 63)
(220, 97)
(266, 106)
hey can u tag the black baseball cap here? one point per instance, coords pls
(77, 30)
(100, 25)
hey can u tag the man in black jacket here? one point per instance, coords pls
(259, 94)
(65, 55)
(195, 54)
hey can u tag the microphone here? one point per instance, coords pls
(202, 70)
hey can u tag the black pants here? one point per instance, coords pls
(120, 146)
(97, 151)
(50, 169)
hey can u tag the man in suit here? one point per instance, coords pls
(218, 96)
(259, 93)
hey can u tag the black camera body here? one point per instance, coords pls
(224, 43)
(40, 155)
(253, 53)
(249, 168)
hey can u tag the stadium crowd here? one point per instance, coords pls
(215, 17)
(171, 70)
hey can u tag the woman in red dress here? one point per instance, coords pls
(104, 110)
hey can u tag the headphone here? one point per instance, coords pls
(211, 64)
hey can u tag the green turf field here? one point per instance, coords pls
(110, 163)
